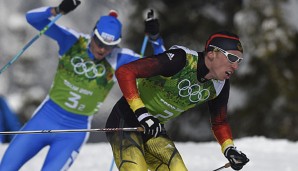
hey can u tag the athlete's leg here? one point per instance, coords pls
(24, 146)
(162, 155)
(64, 147)
(64, 150)
(128, 149)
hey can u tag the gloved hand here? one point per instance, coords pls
(236, 158)
(67, 5)
(152, 26)
(151, 125)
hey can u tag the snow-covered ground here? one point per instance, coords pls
(264, 154)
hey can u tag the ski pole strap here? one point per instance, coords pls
(136, 129)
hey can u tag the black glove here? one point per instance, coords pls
(152, 25)
(236, 158)
(67, 5)
(151, 125)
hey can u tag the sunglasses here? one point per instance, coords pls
(100, 44)
(231, 57)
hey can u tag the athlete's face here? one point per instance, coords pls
(220, 66)
(99, 49)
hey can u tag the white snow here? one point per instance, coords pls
(264, 154)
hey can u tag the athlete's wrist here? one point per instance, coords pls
(136, 104)
(141, 113)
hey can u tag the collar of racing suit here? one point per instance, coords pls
(202, 69)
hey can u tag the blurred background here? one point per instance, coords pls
(264, 92)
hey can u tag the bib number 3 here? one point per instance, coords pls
(73, 102)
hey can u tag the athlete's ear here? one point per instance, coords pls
(210, 55)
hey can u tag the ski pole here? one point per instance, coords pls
(222, 167)
(30, 43)
(144, 45)
(136, 129)
(150, 16)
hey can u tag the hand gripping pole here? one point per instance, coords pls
(150, 16)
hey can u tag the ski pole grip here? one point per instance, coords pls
(140, 129)
(227, 165)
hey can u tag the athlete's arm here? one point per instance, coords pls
(166, 64)
(218, 110)
(39, 18)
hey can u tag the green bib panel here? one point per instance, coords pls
(168, 97)
(81, 85)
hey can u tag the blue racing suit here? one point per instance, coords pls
(75, 96)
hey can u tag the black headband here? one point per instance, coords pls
(224, 41)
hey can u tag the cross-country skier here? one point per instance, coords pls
(84, 77)
(159, 88)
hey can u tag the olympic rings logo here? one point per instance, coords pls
(194, 92)
(88, 68)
